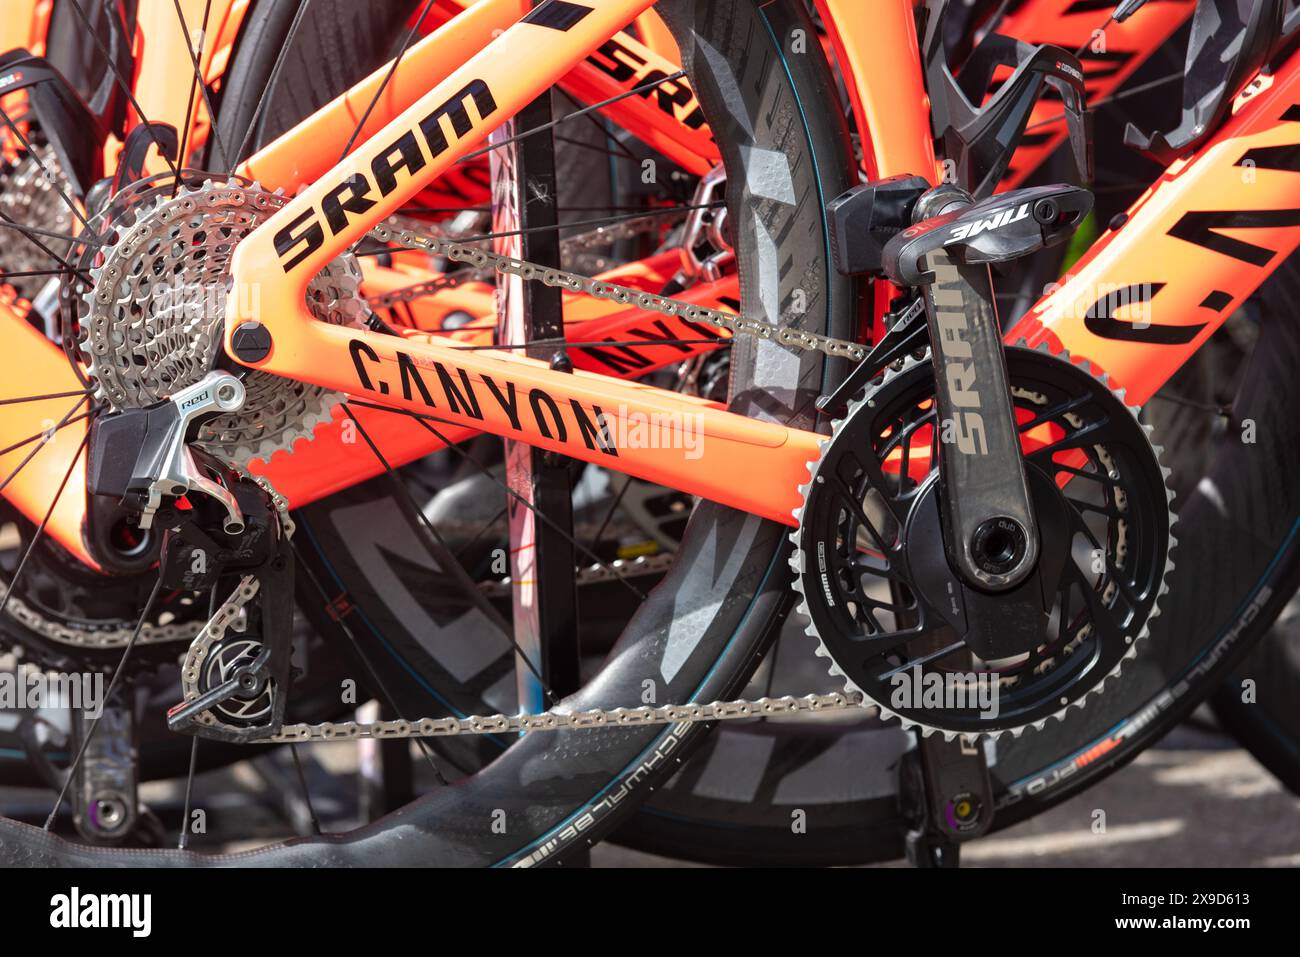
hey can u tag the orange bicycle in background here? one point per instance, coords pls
(799, 340)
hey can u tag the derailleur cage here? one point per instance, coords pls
(198, 554)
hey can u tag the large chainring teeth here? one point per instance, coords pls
(154, 319)
(799, 563)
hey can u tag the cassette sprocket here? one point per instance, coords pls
(151, 325)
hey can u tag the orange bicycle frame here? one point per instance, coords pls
(575, 414)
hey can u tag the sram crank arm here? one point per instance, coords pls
(987, 516)
(988, 521)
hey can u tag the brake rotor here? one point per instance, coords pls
(899, 624)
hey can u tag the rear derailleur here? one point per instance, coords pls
(222, 533)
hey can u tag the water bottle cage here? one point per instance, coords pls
(980, 126)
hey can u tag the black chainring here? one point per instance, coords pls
(903, 627)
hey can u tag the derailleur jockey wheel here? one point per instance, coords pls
(907, 631)
(225, 658)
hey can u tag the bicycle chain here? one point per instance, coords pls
(560, 720)
(642, 716)
(484, 261)
(572, 245)
(623, 295)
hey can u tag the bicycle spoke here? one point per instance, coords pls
(182, 150)
(41, 435)
(609, 137)
(32, 233)
(28, 273)
(378, 683)
(189, 790)
(1223, 410)
(635, 91)
(456, 570)
(48, 395)
(108, 696)
(45, 171)
(198, 76)
(40, 529)
(424, 421)
(406, 45)
(30, 455)
(1113, 98)
(306, 794)
(597, 148)
(478, 536)
(613, 509)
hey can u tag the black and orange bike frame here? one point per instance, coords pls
(1197, 243)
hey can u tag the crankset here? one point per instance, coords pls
(985, 535)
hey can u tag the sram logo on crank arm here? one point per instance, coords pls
(989, 519)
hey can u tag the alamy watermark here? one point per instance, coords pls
(631, 429)
(30, 690)
(202, 302)
(915, 690)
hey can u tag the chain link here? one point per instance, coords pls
(738, 325)
(561, 720)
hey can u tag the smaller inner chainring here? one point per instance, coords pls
(898, 623)
(152, 323)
